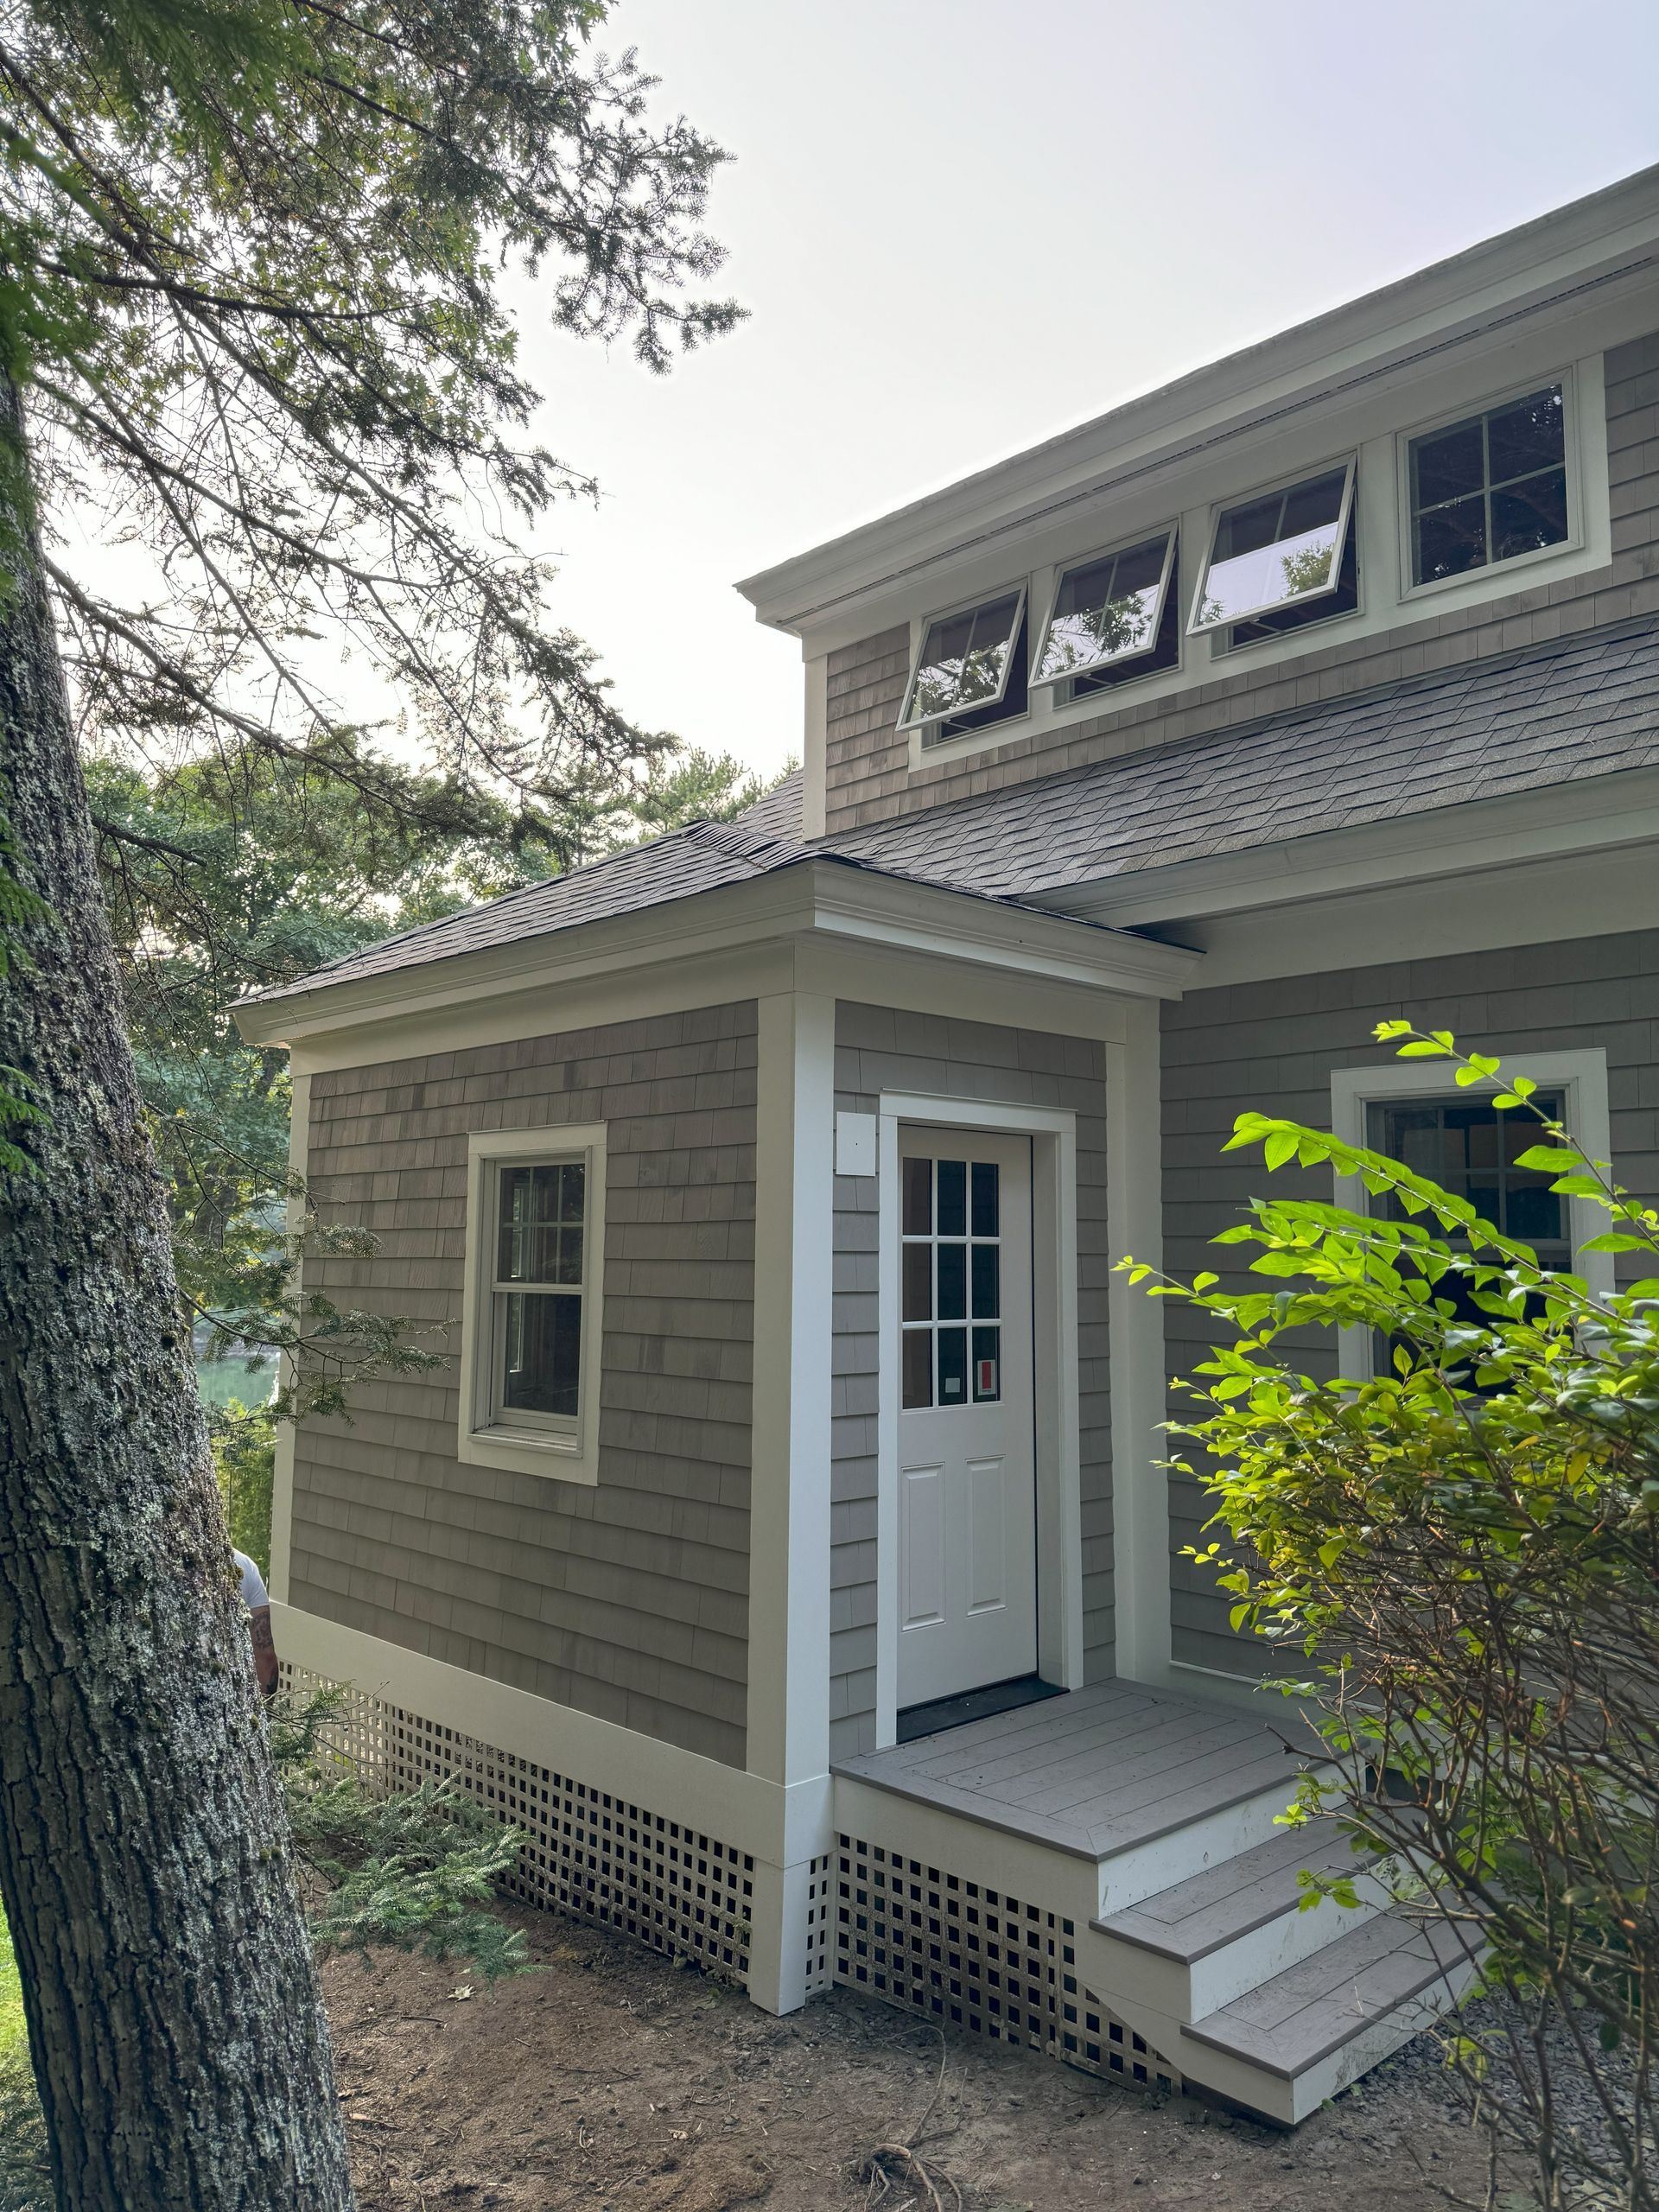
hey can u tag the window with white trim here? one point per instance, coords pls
(966, 664)
(1460, 1140)
(1108, 613)
(1279, 553)
(535, 1246)
(1490, 488)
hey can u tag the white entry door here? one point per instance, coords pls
(967, 1477)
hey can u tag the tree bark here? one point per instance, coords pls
(175, 2018)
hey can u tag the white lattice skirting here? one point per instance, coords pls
(587, 1851)
(939, 1943)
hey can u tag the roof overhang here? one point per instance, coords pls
(1601, 247)
(810, 900)
(1597, 814)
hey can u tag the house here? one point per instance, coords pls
(786, 1546)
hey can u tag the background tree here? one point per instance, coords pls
(249, 260)
(1459, 1558)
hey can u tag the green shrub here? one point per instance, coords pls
(1459, 1556)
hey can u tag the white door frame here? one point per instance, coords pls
(1054, 1380)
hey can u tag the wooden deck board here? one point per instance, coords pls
(1235, 1896)
(1098, 1771)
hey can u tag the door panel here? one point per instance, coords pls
(987, 1532)
(922, 1537)
(967, 1519)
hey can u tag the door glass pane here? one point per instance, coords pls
(953, 1282)
(985, 1197)
(988, 1286)
(953, 1197)
(988, 1366)
(919, 1198)
(953, 1367)
(919, 1282)
(919, 1368)
(539, 1339)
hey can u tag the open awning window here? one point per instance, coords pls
(965, 659)
(1106, 610)
(1276, 549)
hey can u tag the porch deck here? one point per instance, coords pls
(1099, 1771)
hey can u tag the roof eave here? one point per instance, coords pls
(815, 896)
(1608, 237)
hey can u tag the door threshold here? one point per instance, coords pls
(943, 1713)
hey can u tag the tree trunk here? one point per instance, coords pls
(173, 2013)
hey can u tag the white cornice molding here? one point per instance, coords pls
(1599, 814)
(1607, 243)
(817, 900)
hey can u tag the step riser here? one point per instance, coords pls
(1371, 2046)
(1190, 1991)
(1131, 1877)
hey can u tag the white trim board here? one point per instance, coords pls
(780, 1824)
(1054, 1278)
(1580, 1074)
(1134, 1215)
(1547, 901)
(825, 901)
(570, 1456)
(787, 1734)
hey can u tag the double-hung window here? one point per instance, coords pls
(535, 1245)
(1281, 558)
(1490, 488)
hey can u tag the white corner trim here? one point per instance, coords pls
(282, 1481)
(788, 1708)
(572, 1455)
(1054, 1275)
(815, 750)
(1134, 1217)
(1580, 1074)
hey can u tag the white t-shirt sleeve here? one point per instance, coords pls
(254, 1591)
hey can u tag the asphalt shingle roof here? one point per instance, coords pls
(1581, 708)
(699, 858)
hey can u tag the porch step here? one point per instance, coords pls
(1308, 2032)
(1150, 1786)
(1195, 1947)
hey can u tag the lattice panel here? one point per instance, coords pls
(586, 1851)
(997, 1966)
(820, 1883)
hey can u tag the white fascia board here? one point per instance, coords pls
(1593, 816)
(1606, 244)
(820, 900)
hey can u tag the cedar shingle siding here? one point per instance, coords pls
(868, 775)
(878, 1049)
(629, 1600)
(1272, 1046)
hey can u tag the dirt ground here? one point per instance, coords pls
(616, 2081)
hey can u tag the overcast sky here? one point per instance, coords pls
(960, 227)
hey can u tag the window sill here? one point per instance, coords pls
(521, 1451)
